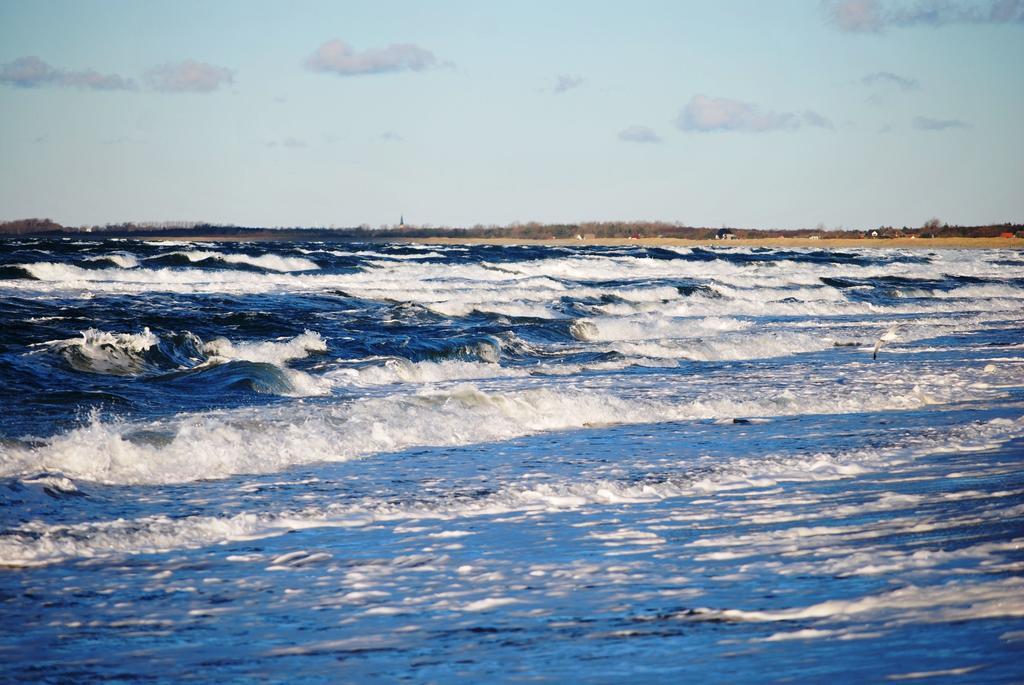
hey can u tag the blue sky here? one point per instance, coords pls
(784, 114)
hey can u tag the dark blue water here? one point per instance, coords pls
(439, 463)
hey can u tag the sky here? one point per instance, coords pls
(781, 114)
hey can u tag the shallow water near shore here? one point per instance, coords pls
(439, 463)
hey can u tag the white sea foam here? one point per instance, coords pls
(123, 354)
(271, 352)
(954, 601)
(728, 347)
(651, 326)
(975, 292)
(121, 259)
(297, 383)
(536, 288)
(698, 339)
(37, 543)
(66, 276)
(430, 254)
(273, 262)
(400, 370)
(261, 440)
(96, 351)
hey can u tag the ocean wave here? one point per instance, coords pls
(401, 370)
(37, 543)
(273, 352)
(120, 259)
(185, 355)
(261, 440)
(117, 354)
(728, 347)
(219, 445)
(650, 326)
(271, 262)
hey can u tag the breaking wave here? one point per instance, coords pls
(257, 365)
(36, 543)
(271, 262)
(261, 440)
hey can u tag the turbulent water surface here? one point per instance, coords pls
(333, 461)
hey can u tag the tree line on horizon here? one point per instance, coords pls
(933, 228)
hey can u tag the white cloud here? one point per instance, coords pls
(872, 16)
(32, 72)
(929, 124)
(639, 134)
(812, 118)
(887, 77)
(858, 16)
(189, 76)
(293, 143)
(565, 82)
(338, 57)
(706, 114)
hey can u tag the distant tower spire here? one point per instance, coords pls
(401, 220)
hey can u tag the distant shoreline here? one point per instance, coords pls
(822, 243)
(803, 242)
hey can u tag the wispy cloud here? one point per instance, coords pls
(565, 82)
(391, 136)
(639, 134)
(338, 57)
(889, 78)
(293, 143)
(32, 72)
(189, 76)
(873, 16)
(707, 114)
(857, 16)
(929, 124)
(816, 120)
(121, 140)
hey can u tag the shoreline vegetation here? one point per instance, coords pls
(784, 242)
(933, 235)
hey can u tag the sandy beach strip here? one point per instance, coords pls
(781, 243)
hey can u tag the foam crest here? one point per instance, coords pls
(271, 352)
(96, 351)
(981, 292)
(954, 601)
(267, 439)
(651, 326)
(37, 543)
(430, 254)
(121, 259)
(540, 288)
(401, 370)
(58, 276)
(734, 347)
(204, 446)
(261, 365)
(272, 262)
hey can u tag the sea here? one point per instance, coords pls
(386, 462)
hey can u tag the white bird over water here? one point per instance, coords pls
(892, 334)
